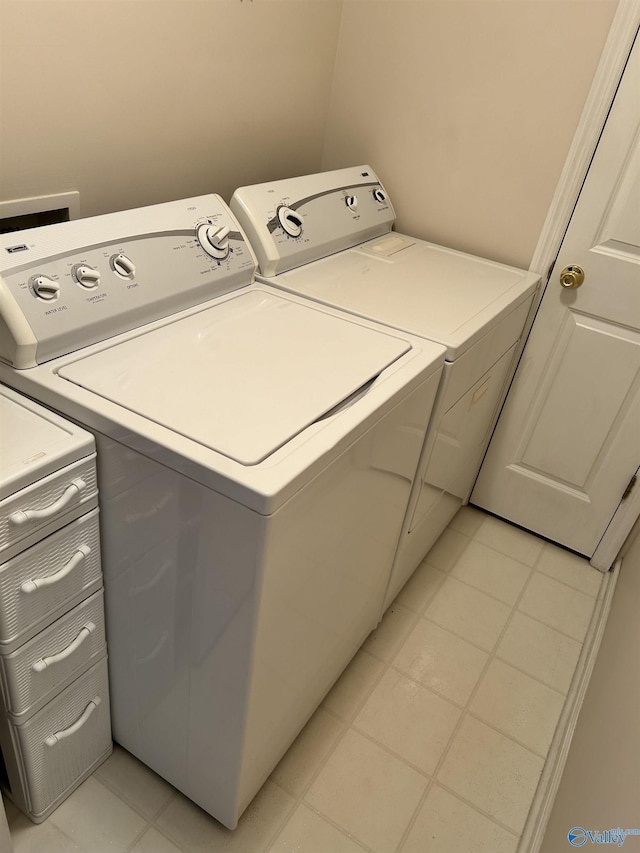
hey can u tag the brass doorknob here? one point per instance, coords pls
(572, 276)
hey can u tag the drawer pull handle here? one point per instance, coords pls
(79, 556)
(45, 663)
(22, 516)
(53, 739)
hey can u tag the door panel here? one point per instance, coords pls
(566, 431)
(568, 440)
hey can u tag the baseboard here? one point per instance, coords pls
(536, 823)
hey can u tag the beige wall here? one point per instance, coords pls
(133, 102)
(466, 109)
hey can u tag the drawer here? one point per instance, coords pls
(59, 745)
(36, 511)
(44, 666)
(48, 579)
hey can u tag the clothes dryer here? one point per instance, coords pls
(329, 238)
(254, 473)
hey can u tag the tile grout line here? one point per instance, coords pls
(466, 709)
(508, 736)
(414, 817)
(159, 814)
(300, 797)
(476, 808)
(285, 820)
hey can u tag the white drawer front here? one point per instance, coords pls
(45, 665)
(63, 740)
(48, 579)
(36, 511)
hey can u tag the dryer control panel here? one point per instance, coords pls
(70, 285)
(293, 222)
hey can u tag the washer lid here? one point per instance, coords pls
(242, 377)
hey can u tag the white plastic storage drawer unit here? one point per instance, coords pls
(54, 717)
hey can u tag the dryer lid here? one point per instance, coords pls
(437, 293)
(242, 377)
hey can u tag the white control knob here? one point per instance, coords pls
(122, 265)
(214, 239)
(290, 220)
(379, 195)
(86, 276)
(44, 287)
(352, 202)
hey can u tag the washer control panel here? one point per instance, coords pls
(296, 221)
(70, 285)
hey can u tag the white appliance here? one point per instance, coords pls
(328, 238)
(54, 692)
(253, 471)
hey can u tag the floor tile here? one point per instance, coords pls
(447, 825)
(308, 751)
(518, 705)
(509, 540)
(368, 792)
(12, 811)
(440, 660)
(409, 720)
(504, 776)
(26, 837)
(570, 569)
(492, 572)
(385, 641)
(196, 832)
(447, 549)
(557, 605)
(134, 782)
(308, 832)
(348, 694)
(97, 819)
(155, 842)
(540, 651)
(421, 587)
(468, 612)
(467, 520)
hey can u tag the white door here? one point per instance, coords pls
(568, 440)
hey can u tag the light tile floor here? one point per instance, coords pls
(432, 741)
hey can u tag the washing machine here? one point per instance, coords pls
(329, 238)
(253, 467)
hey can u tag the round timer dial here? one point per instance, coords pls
(214, 239)
(290, 221)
